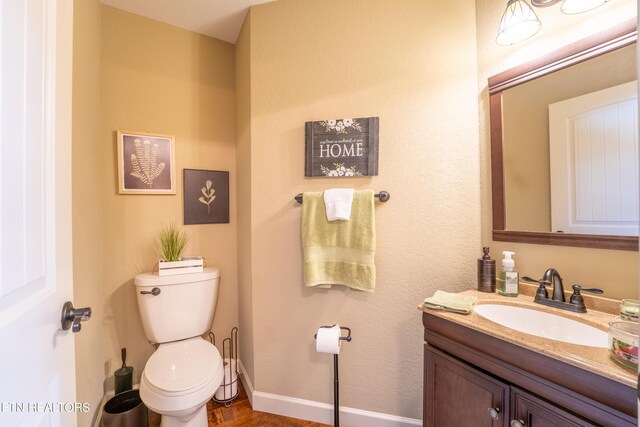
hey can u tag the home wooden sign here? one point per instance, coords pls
(342, 147)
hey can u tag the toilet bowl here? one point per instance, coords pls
(185, 371)
(179, 379)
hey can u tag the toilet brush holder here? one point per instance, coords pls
(124, 375)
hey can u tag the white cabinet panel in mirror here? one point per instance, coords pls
(527, 160)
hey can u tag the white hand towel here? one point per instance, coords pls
(337, 203)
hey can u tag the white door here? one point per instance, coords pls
(37, 365)
(594, 162)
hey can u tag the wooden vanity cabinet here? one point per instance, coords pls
(529, 410)
(473, 379)
(467, 397)
(458, 395)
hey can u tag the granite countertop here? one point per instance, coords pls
(593, 359)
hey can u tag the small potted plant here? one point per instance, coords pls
(170, 244)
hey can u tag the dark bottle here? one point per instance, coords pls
(486, 272)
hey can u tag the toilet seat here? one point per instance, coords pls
(182, 367)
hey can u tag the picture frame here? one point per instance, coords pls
(146, 163)
(206, 196)
(338, 148)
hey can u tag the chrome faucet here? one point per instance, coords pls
(553, 277)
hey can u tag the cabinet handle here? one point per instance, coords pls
(517, 423)
(494, 413)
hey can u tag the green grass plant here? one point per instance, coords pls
(171, 242)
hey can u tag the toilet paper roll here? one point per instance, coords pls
(328, 340)
(229, 387)
(229, 365)
(228, 391)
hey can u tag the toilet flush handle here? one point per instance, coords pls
(154, 292)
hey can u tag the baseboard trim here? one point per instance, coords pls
(246, 382)
(316, 411)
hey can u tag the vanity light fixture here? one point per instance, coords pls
(572, 7)
(544, 3)
(519, 21)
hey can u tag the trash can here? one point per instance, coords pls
(125, 410)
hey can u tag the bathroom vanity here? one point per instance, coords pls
(478, 373)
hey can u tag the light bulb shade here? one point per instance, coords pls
(518, 23)
(572, 7)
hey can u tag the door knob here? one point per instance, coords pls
(71, 317)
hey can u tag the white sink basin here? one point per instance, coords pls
(545, 325)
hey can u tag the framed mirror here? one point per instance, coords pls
(539, 196)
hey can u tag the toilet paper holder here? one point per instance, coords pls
(336, 382)
(342, 328)
(229, 389)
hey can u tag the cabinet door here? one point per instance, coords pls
(531, 411)
(458, 395)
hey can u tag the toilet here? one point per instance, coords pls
(185, 371)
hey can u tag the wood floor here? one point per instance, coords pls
(240, 414)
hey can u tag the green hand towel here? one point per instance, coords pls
(451, 302)
(339, 252)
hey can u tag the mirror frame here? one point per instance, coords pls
(591, 47)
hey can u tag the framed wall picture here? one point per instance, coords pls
(206, 196)
(145, 163)
(342, 147)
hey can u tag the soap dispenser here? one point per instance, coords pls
(508, 280)
(486, 272)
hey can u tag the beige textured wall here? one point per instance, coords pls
(87, 204)
(160, 79)
(614, 271)
(243, 167)
(525, 116)
(414, 66)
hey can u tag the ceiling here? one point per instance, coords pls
(221, 19)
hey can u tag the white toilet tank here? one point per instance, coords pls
(183, 306)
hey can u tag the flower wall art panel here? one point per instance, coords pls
(342, 147)
(145, 163)
(206, 196)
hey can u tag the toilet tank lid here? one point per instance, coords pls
(152, 279)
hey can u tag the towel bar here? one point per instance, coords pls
(384, 196)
